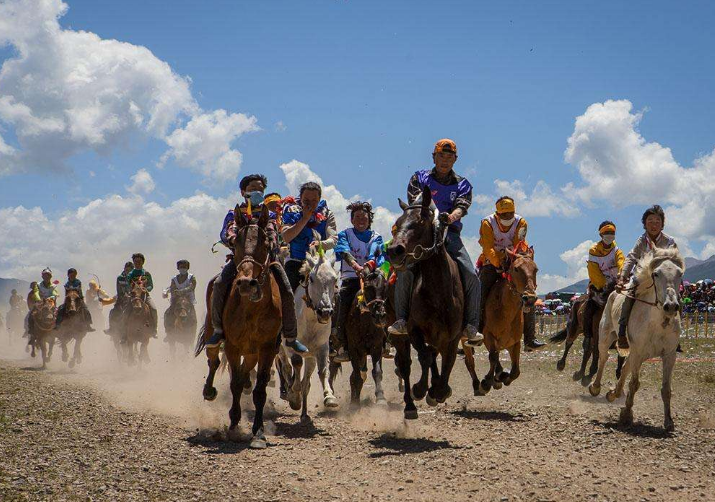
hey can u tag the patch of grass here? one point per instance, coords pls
(708, 378)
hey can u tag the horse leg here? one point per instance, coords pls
(265, 359)
(65, 353)
(310, 364)
(562, 362)
(294, 398)
(424, 355)
(668, 365)
(214, 362)
(404, 361)
(499, 375)
(441, 391)
(595, 353)
(43, 351)
(514, 371)
(595, 388)
(234, 413)
(471, 367)
(626, 417)
(52, 346)
(486, 384)
(376, 357)
(144, 352)
(329, 400)
(356, 381)
(617, 392)
(78, 348)
(619, 368)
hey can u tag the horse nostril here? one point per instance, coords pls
(253, 283)
(399, 250)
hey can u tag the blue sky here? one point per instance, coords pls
(364, 88)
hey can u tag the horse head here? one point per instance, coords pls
(138, 293)
(663, 271)
(414, 233)
(181, 307)
(320, 280)
(523, 271)
(374, 290)
(72, 301)
(44, 313)
(251, 254)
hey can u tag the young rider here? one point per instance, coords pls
(123, 290)
(137, 273)
(73, 283)
(182, 283)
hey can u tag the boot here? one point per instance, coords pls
(295, 345)
(216, 339)
(623, 347)
(533, 344)
(474, 337)
(398, 328)
(341, 356)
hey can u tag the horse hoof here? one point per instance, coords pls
(294, 405)
(259, 441)
(611, 396)
(417, 396)
(71, 363)
(497, 385)
(381, 401)
(626, 417)
(431, 401)
(305, 420)
(210, 393)
(594, 390)
(585, 381)
(330, 402)
(411, 414)
(577, 376)
(669, 426)
(560, 365)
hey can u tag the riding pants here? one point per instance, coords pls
(628, 304)
(589, 310)
(348, 289)
(223, 283)
(292, 269)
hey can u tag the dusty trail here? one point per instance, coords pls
(104, 432)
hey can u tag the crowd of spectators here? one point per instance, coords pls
(698, 296)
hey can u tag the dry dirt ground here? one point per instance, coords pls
(104, 432)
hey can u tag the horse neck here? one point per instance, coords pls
(436, 269)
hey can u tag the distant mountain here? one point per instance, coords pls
(6, 287)
(695, 270)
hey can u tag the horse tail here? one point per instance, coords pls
(560, 336)
(200, 342)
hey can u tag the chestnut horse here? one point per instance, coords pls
(436, 320)
(73, 327)
(138, 323)
(252, 322)
(504, 321)
(44, 315)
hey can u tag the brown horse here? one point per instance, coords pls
(72, 327)
(180, 323)
(252, 321)
(138, 324)
(44, 315)
(504, 321)
(574, 328)
(435, 321)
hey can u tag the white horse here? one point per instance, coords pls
(653, 328)
(314, 309)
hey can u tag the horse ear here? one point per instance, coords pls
(263, 220)
(237, 217)
(531, 251)
(403, 206)
(426, 197)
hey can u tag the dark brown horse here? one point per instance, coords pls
(435, 321)
(138, 324)
(504, 321)
(180, 324)
(574, 328)
(72, 327)
(252, 321)
(44, 315)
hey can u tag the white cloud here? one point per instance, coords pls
(68, 91)
(142, 183)
(280, 126)
(204, 144)
(297, 173)
(575, 260)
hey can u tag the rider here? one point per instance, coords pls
(252, 188)
(74, 284)
(356, 246)
(653, 221)
(123, 290)
(182, 283)
(15, 300)
(605, 261)
(452, 194)
(41, 291)
(301, 218)
(501, 231)
(138, 271)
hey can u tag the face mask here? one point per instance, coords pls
(608, 239)
(508, 222)
(256, 198)
(183, 270)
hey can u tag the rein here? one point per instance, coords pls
(263, 267)
(625, 292)
(365, 307)
(421, 253)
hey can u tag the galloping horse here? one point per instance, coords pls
(14, 321)
(180, 326)
(44, 315)
(436, 320)
(574, 328)
(137, 323)
(314, 308)
(504, 321)
(251, 319)
(653, 328)
(73, 327)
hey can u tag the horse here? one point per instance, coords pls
(44, 315)
(314, 308)
(653, 328)
(436, 320)
(137, 323)
(14, 321)
(73, 327)
(252, 322)
(574, 328)
(366, 335)
(504, 321)
(180, 322)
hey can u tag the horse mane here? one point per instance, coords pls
(651, 261)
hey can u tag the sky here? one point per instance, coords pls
(125, 126)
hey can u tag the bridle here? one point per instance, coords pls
(421, 253)
(365, 306)
(41, 322)
(625, 292)
(509, 279)
(263, 267)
